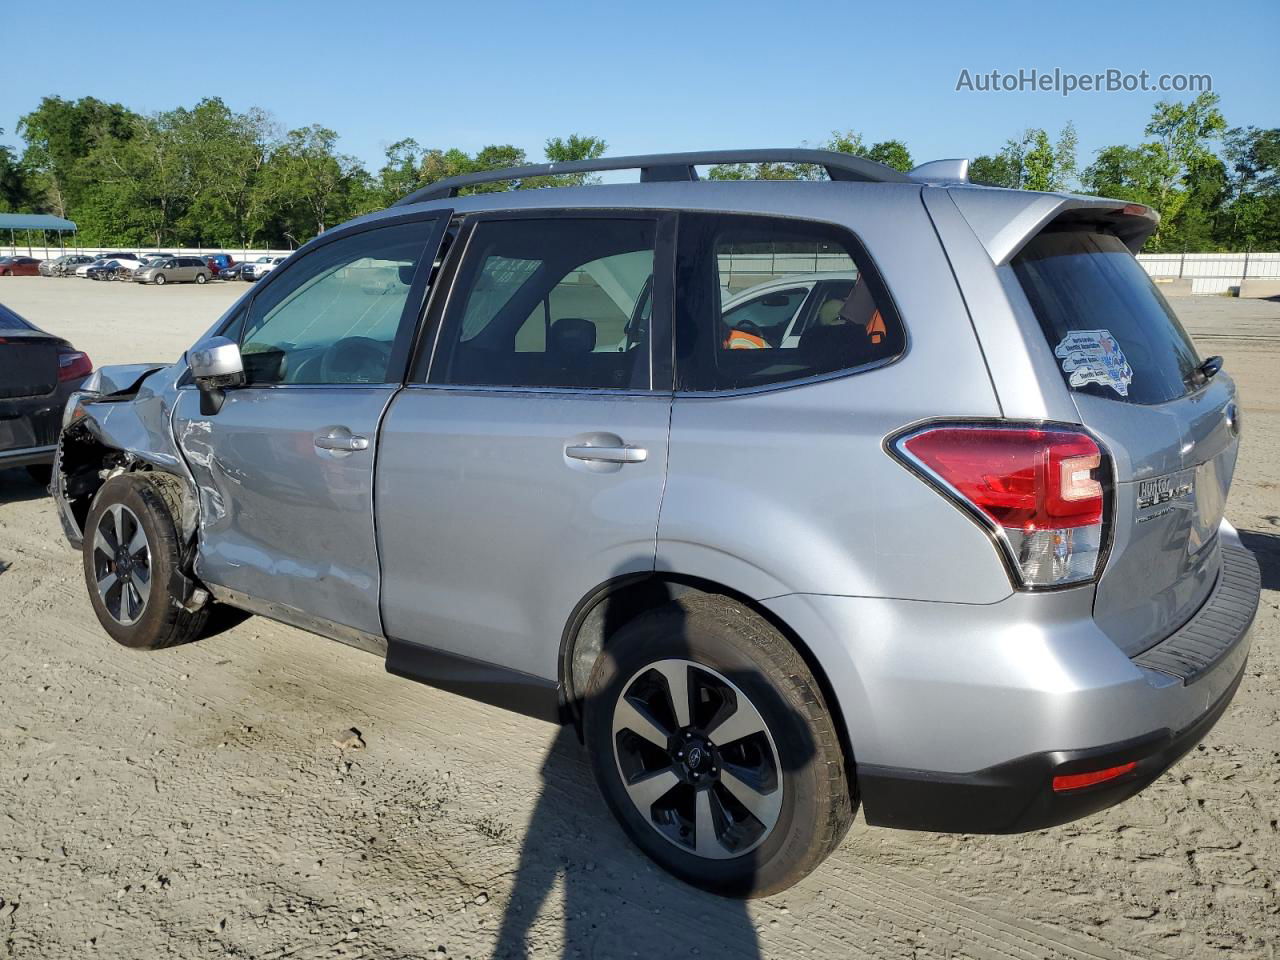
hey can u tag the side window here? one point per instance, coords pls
(763, 301)
(333, 316)
(551, 303)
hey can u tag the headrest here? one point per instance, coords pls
(829, 312)
(574, 335)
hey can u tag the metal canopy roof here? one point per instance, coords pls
(35, 221)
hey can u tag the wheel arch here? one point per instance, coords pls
(621, 599)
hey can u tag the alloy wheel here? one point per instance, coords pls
(122, 564)
(697, 759)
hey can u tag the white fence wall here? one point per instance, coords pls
(1212, 273)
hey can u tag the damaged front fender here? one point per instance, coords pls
(119, 422)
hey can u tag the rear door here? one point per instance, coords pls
(285, 467)
(527, 467)
(1134, 376)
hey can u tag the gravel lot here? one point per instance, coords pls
(193, 802)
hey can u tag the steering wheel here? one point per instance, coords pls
(355, 360)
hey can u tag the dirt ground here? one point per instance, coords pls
(193, 803)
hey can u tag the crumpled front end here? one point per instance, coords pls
(118, 422)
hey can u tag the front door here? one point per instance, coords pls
(285, 467)
(528, 467)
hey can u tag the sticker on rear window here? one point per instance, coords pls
(1094, 356)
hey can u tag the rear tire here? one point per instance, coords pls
(746, 816)
(201, 278)
(131, 552)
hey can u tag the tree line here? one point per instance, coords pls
(210, 176)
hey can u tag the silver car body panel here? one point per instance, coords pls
(957, 688)
(476, 536)
(490, 533)
(281, 518)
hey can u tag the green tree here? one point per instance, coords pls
(1175, 171)
(13, 181)
(59, 135)
(227, 153)
(1251, 217)
(892, 153)
(1030, 162)
(143, 183)
(313, 185)
(401, 173)
(995, 171)
(565, 150)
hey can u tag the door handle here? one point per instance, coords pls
(340, 439)
(623, 454)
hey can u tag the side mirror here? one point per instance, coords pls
(216, 366)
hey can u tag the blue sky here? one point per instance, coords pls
(646, 76)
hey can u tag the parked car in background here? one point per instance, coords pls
(173, 270)
(49, 268)
(108, 270)
(19, 267)
(38, 372)
(68, 264)
(232, 272)
(219, 263)
(83, 269)
(260, 267)
(955, 552)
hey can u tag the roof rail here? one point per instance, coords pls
(656, 167)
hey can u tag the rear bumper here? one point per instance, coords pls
(29, 427)
(1017, 796)
(959, 716)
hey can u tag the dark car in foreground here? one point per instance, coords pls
(38, 372)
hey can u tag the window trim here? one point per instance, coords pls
(660, 357)
(411, 315)
(863, 261)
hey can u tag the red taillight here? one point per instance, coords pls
(1075, 781)
(73, 364)
(1024, 479)
(1039, 487)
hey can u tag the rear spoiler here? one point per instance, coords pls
(1005, 220)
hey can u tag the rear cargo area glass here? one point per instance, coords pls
(1080, 280)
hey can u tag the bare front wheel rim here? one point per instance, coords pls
(697, 760)
(122, 564)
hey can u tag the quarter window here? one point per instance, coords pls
(333, 316)
(763, 301)
(551, 303)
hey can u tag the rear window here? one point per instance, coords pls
(763, 301)
(1112, 332)
(11, 321)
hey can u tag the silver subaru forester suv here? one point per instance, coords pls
(866, 489)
